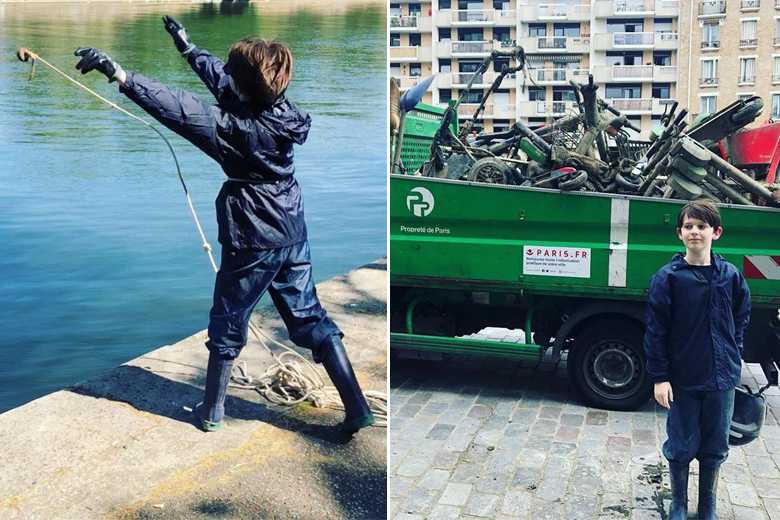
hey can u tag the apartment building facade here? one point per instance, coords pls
(630, 47)
(731, 50)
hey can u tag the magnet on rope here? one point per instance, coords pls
(24, 54)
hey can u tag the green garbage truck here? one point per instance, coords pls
(571, 269)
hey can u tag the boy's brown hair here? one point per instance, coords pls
(702, 209)
(261, 68)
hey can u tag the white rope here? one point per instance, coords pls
(291, 379)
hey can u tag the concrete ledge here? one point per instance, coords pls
(122, 446)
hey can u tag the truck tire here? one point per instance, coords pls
(607, 365)
(490, 170)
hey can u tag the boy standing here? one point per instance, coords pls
(250, 132)
(698, 310)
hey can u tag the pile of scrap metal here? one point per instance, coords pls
(591, 150)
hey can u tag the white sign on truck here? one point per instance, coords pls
(572, 262)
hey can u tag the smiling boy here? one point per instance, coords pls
(698, 310)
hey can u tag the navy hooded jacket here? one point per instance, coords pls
(695, 327)
(260, 206)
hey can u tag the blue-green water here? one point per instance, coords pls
(100, 260)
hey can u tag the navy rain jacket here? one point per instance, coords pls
(260, 206)
(695, 327)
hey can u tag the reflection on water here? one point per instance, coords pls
(101, 261)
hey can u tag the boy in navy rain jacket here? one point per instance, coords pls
(698, 310)
(250, 132)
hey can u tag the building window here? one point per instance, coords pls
(444, 4)
(445, 95)
(709, 72)
(395, 70)
(569, 30)
(470, 35)
(415, 40)
(536, 93)
(500, 125)
(415, 9)
(662, 25)
(415, 69)
(775, 106)
(501, 34)
(708, 104)
(472, 97)
(395, 40)
(747, 70)
(662, 90)
(445, 65)
(749, 37)
(445, 34)
(710, 36)
(744, 97)
(623, 92)
(536, 122)
(777, 30)
(662, 58)
(500, 63)
(537, 29)
(776, 69)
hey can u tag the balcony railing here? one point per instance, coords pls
(552, 42)
(632, 71)
(634, 6)
(712, 44)
(407, 82)
(548, 11)
(712, 8)
(404, 51)
(747, 5)
(748, 43)
(468, 109)
(632, 104)
(473, 15)
(627, 38)
(462, 78)
(708, 81)
(776, 77)
(403, 22)
(747, 79)
(480, 47)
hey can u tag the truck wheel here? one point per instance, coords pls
(607, 365)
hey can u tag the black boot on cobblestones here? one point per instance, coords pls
(708, 490)
(678, 475)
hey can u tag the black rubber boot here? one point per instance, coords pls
(708, 492)
(678, 475)
(211, 411)
(357, 413)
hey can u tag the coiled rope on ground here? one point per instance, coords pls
(291, 379)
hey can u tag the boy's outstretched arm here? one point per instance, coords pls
(741, 309)
(658, 321)
(209, 69)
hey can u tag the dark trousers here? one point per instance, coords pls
(243, 278)
(697, 426)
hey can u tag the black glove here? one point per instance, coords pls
(95, 59)
(179, 35)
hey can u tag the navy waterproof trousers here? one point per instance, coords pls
(245, 275)
(697, 426)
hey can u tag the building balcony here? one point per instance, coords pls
(466, 110)
(545, 108)
(472, 17)
(643, 73)
(461, 79)
(712, 8)
(407, 82)
(634, 8)
(555, 12)
(555, 44)
(633, 40)
(710, 45)
(409, 54)
(469, 49)
(708, 81)
(632, 106)
(748, 43)
(749, 5)
(557, 76)
(660, 106)
(400, 24)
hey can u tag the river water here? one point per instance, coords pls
(100, 259)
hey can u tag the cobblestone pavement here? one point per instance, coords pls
(476, 438)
